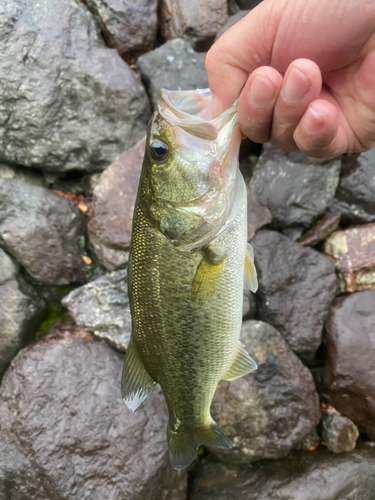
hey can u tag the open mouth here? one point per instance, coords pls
(192, 111)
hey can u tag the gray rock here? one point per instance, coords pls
(8, 267)
(128, 26)
(65, 433)
(268, 412)
(232, 21)
(195, 20)
(294, 187)
(28, 175)
(317, 475)
(257, 215)
(356, 191)
(110, 224)
(249, 307)
(174, 66)
(42, 231)
(338, 432)
(350, 367)
(102, 308)
(66, 101)
(20, 316)
(296, 288)
(248, 4)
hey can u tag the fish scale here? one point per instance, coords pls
(186, 281)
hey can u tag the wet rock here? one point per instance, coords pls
(42, 231)
(296, 288)
(68, 435)
(354, 253)
(232, 21)
(28, 175)
(194, 20)
(355, 194)
(338, 432)
(294, 187)
(66, 100)
(350, 364)
(174, 66)
(323, 228)
(257, 215)
(102, 308)
(110, 225)
(310, 442)
(268, 412)
(317, 475)
(128, 26)
(20, 313)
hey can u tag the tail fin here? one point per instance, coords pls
(183, 446)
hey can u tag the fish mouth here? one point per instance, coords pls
(192, 111)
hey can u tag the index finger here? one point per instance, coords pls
(239, 51)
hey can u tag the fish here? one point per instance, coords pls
(188, 264)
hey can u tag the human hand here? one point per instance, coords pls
(307, 69)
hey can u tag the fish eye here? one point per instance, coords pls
(159, 150)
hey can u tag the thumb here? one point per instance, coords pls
(244, 47)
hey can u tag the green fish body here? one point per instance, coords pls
(188, 262)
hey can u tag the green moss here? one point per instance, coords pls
(55, 312)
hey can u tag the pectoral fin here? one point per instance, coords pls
(250, 273)
(242, 364)
(136, 383)
(207, 277)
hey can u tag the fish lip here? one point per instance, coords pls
(203, 126)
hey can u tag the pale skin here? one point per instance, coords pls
(305, 74)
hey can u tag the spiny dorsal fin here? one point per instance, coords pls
(207, 277)
(242, 364)
(136, 383)
(250, 273)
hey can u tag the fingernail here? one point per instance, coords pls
(312, 119)
(215, 106)
(296, 86)
(261, 92)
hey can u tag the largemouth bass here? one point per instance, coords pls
(188, 264)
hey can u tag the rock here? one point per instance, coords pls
(102, 308)
(231, 22)
(68, 435)
(338, 432)
(268, 412)
(294, 187)
(20, 313)
(354, 252)
(317, 475)
(323, 228)
(257, 215)
(28, 175)
(350, 367)
(248, 4)
(355, 194)
(66, 100)
(194, 20)
(42, 231)
(249, 308)
(296, 288)
(127, 26)
(174, 66)
(110, 225)
(310, 442)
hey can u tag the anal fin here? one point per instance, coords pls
(242, 364)
(250, 273)
(136, 383)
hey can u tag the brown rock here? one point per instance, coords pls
(354, 251)
(350, 368)
(113, 205)
(257, 215)
(269, 411)
(195, 20)
(338, 432)
(323, 228)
